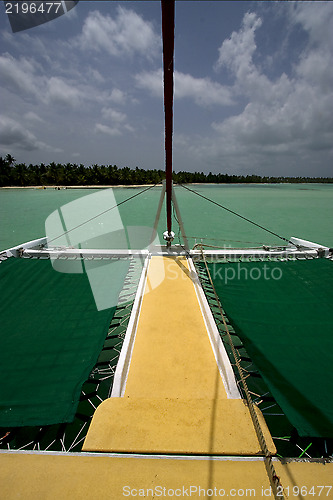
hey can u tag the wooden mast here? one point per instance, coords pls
(168, 28)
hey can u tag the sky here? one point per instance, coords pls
(253, 87)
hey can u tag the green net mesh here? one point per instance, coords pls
(283, 312)
(51, 335)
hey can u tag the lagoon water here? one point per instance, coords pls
(301, 210)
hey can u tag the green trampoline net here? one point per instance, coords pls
(51, 336)
(283, 313)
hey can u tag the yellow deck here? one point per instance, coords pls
(33, 477)
(174, 403)
(194, 426)
(172, 356)
(42, 476)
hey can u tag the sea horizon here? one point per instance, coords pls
(302, 210)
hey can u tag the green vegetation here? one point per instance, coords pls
(71, 174)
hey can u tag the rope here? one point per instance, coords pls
(275, 480)
(224, 239)
(101, 213)
(235, 213)
(224, 248)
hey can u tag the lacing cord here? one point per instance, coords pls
(274, 479)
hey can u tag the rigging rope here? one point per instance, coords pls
(275, 480)
(101, 213)
(235, 213)
(201, 238)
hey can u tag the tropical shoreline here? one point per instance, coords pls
(129, 186)
(82, 187)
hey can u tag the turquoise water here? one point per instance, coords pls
(302, 210)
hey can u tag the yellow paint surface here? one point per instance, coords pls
(53, 477)
(196, 426)
(304, 479)
(172, 355)
(175, 401)
(32, 477)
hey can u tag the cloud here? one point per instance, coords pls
(315, 19)
(203, 91)
(33, 117)
(125, 34)
(19, 75)
(95, 75)
(25, 78)
(118, 96)
(152, 81)
(14, 134)
(65, 93)
(236, 52)
(113, 115)
(105, 129)
(290, 115)
(118, 120)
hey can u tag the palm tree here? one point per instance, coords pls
(5, 172)
(10, 160)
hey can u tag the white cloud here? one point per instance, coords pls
(290, 115)
(28, 80)
(152, 81)
(118, 96)
(33, 117)
(203, 91)
(27, 44)
(13, 134)
(117, 119)
(104, 129)
(316, 19)
(60, 91)
(125, 34)
(316, 67)
(113, 115)
(237, 51)
(25, 78)
(19, 75)
(95, 75)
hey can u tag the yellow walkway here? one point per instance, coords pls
(172, 356)
(60, 477)
(45, 476)
(174, 401)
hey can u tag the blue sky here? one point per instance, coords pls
(253, 87)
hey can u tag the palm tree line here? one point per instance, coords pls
(72, 174)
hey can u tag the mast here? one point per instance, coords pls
(168, 29)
